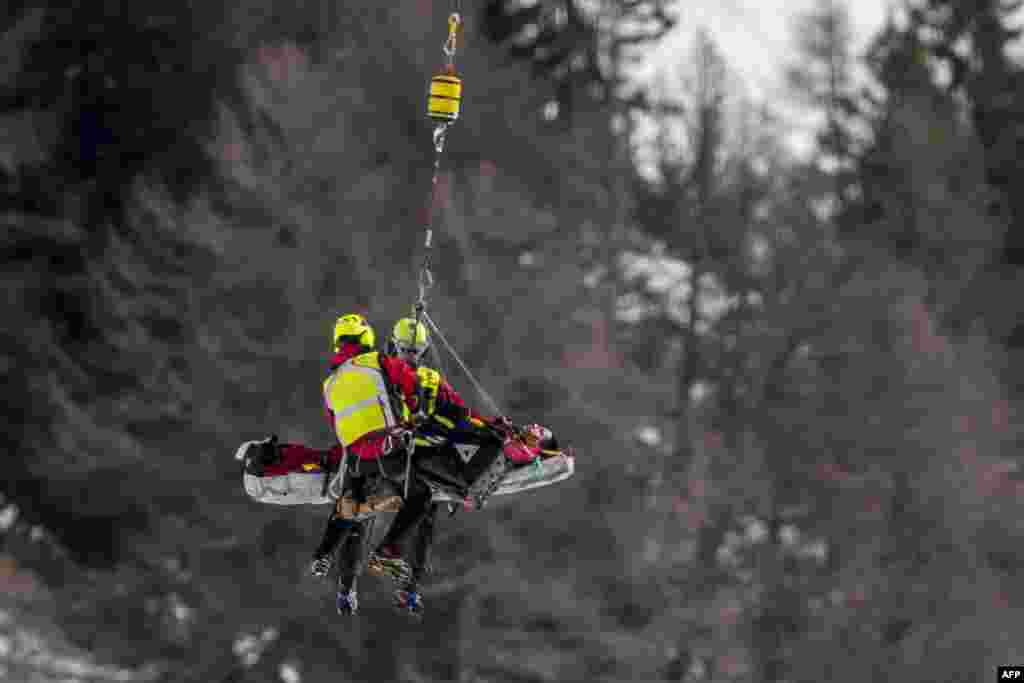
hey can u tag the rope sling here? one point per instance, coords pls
(444, 105)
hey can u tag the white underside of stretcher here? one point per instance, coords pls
(296, 488)
(550, 471)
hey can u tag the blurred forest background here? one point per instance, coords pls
(795, 384)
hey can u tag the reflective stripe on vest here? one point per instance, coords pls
(358, 396)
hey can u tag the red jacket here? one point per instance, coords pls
(402, 377)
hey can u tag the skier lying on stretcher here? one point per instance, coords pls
(370, 398)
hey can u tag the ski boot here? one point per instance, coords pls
(257, 455)
(321, 566)
(347, 602)
(487, 483)
(408, 601)
(387, 562)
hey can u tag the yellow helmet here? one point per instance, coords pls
(353, 327)
(409, 336)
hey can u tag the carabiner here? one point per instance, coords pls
(452, 43)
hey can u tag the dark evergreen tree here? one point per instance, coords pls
(925, 195)
(972, 39)
(824, 79)
(566, 40)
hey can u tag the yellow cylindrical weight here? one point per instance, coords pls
(445, 97)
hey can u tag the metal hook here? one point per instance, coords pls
(426, 280)
(410, 447)
(439, 136)
(451, 44)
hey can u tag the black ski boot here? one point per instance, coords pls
(487, 483)
(257, 455)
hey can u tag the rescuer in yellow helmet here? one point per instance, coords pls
(369, 396)
(409, 341)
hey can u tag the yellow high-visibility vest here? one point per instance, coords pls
(358, 396)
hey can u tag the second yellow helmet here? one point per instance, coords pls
(409, 336)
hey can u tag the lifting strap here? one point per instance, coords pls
(443, 107)
(476, 385)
